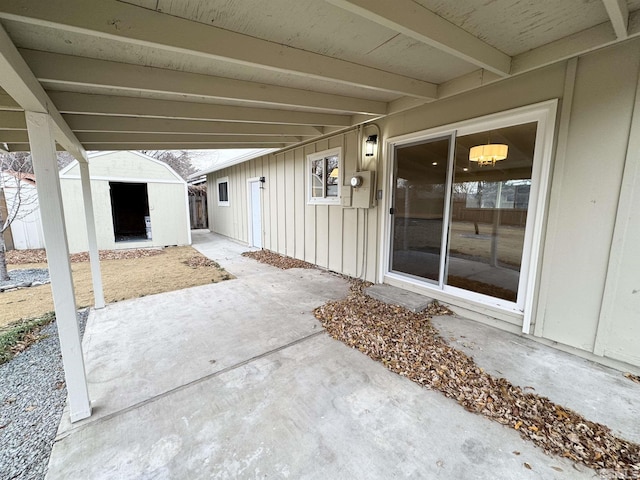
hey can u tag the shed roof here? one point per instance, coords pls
(167, 174)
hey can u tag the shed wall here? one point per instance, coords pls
(167, 202)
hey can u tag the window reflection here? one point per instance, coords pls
(489, 214)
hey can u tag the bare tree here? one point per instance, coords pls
(16, 172)
(179, 160)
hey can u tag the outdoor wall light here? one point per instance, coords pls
(370, 145)
(262, 180)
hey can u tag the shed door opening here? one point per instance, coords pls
(130, 207)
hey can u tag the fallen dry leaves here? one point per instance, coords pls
(277, 260)
(196, 261)
(408, 344)
(20, 257)
(632, 377)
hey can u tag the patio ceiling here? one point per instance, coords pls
(199, 74)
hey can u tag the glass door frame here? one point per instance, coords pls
(544, 114)
(446, 212)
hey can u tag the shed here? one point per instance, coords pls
(138, 202)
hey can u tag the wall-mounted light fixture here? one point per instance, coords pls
(370, 145)
(262, 179)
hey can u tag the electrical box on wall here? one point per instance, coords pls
(362, 189)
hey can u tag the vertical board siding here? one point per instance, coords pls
(281, 204)
(350, 234)
(310, 217)
(322, 235)
(299, 202)
(329, 236)
(289, 204)
(273, 205)
(266, 211)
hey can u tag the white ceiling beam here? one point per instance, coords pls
(24, 147)
(181, 146)
(464, 83)
(415, 21)
(88, 138)
(91, 123)
(618, 12)
(574, 45)
(140, 26)
(81, 103)
(58, 69)
(19, 82)
(110, 137)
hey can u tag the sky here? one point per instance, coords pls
(202, 159)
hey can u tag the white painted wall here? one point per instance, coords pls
(329, 236)
(26, 229)
(167, 194)
(587, 298)
(586, 192)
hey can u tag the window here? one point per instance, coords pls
(324, 177)
(223, 191)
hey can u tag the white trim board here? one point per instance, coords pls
(125, 179)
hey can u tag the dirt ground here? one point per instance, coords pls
(122, 279)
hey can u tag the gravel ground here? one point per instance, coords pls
(28, 275)
(32, 398)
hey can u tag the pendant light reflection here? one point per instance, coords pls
(488, 154)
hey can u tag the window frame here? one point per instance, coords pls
(219, 181)
(324, 155)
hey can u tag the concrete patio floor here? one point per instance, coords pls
(238, 380)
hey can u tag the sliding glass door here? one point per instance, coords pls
(489, 213)
(460, 209)
(419, 208)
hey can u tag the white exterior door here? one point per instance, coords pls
(255, 213)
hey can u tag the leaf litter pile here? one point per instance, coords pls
(407, 344)
(18, 257)
(277, 260)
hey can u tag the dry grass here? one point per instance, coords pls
(465, 242)
(123, 278)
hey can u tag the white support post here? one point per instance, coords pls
(45, 165)
(94, 257)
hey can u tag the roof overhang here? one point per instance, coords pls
(214, 74)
